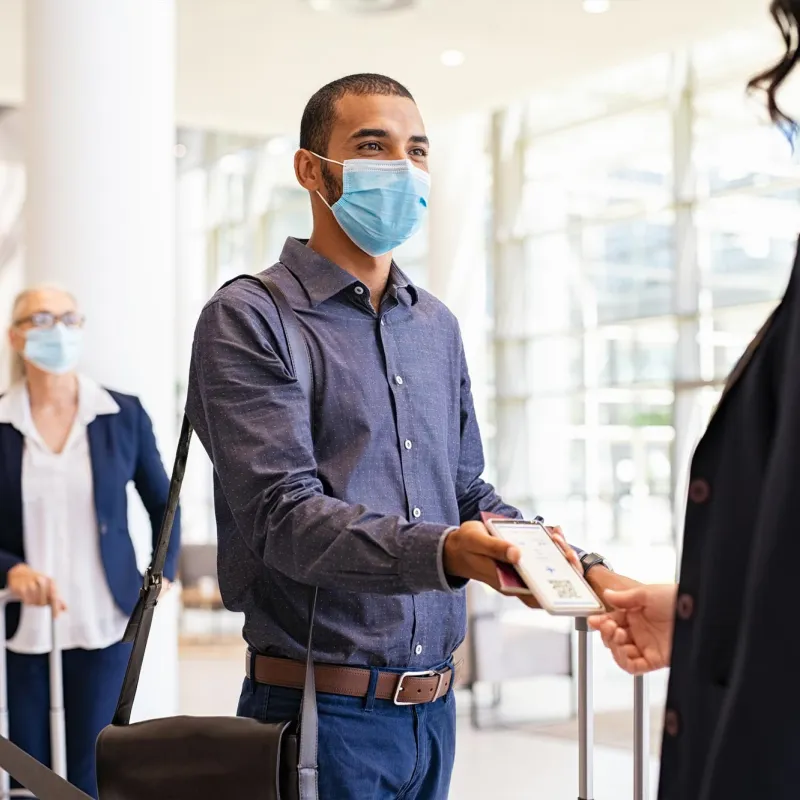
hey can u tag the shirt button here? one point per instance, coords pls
(417, 512)
(398, 380)
(418, 649)
(671, 723)
(407, 444)
(359, 290)
(685, 606)
(103, 528)
(383, 321)
(699, 491)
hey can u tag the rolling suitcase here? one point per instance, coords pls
(641, 724)
(58, 744)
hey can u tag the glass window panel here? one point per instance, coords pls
(556, 362)
(749, 243)
(732, 331)
(636, 353)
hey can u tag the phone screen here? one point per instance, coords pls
(545, 569)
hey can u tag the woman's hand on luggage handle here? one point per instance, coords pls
(34, 589)
(638, 632)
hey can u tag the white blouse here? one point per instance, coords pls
(60, 531)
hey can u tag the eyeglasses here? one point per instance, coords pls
(46, 319)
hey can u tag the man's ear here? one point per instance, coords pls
(307, 170)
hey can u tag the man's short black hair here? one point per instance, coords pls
(320, 112)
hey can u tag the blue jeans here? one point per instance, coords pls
(370, 749)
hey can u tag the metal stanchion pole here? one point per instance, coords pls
(641, 739)
(585, 711)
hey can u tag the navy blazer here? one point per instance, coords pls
(122, 448)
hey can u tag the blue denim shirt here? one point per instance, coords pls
(361, 509)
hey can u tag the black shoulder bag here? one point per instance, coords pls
(193, 758)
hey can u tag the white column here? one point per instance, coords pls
(193, 290)
(100, 211)
(512, 311)
(457, 249)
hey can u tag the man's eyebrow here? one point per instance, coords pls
(380, 133)
(371, 133)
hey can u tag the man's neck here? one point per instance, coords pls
(338, 248)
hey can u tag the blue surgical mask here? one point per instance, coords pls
(56, 350)
(383, 203)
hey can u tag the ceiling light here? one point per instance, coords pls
(360, 6)
(452, 58)
(596, 6)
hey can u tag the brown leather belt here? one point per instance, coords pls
(407, 688)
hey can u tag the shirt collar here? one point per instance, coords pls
(322, 279)
(93, 401)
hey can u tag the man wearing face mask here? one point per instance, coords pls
(68, 450)
(377, 502)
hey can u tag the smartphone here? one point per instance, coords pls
(545, 571)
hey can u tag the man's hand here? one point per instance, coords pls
(639, 631)
(34, 589)
(471, 552)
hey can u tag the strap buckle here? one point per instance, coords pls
(151, 587)
(427, 673)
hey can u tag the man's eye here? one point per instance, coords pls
(373, 146)
(418, 152)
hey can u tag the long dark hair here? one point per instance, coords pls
(786, 14)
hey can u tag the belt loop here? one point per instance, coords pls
(251, 655)
(452, 667)
(369, 700)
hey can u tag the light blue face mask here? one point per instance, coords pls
(383, 203)
(56, 350)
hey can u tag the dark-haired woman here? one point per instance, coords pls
(732, 725)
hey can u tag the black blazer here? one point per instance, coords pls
(123, 449)
(733, 709)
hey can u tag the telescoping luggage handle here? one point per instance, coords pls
(57, 730)
(641, 723)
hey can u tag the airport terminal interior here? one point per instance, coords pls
(611, 220)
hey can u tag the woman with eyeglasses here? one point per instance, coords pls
(68, 449)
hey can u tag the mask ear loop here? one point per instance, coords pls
(330, 161)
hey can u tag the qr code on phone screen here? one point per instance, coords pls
(564, 589)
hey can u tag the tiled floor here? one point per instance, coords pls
(500, 765)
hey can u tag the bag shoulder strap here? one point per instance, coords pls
(138, 629)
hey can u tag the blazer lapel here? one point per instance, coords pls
(100, 450)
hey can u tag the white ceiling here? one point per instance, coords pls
(248, 66)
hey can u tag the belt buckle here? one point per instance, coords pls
(427, 673)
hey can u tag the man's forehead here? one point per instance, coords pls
(398, 115)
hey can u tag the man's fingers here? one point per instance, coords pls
(494, 548)
(569, 553)
(628, 599)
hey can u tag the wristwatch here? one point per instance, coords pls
(589, 560)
